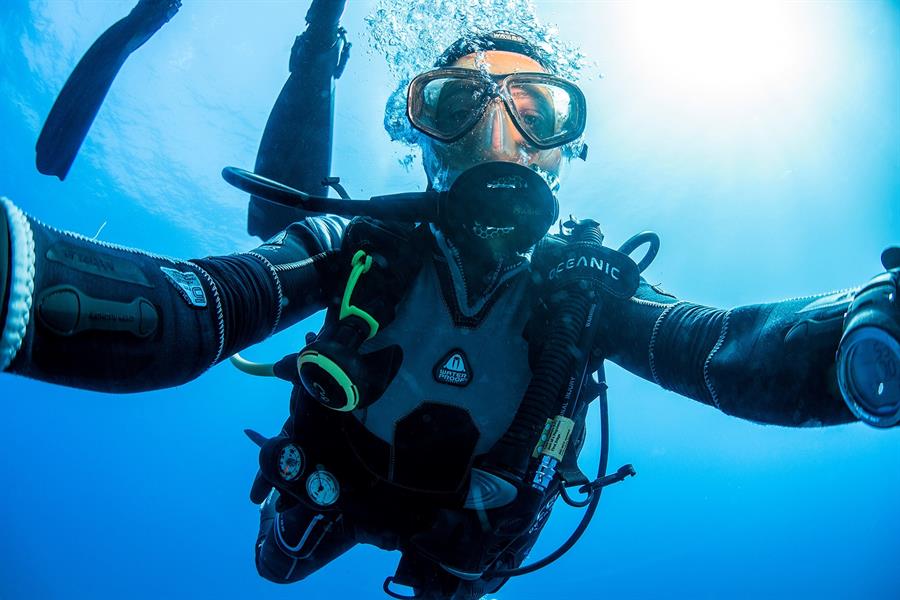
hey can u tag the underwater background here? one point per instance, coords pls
(761, 141)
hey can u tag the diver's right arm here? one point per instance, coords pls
(88, 314)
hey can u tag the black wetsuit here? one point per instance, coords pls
(92, 315)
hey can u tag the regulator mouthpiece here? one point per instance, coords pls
(504, 203)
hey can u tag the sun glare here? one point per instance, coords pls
(721, 50)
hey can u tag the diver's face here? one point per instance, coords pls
(495, 136)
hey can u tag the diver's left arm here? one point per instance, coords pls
(770, 363)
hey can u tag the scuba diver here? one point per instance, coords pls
(440, 410)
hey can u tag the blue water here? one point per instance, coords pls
(765, 153)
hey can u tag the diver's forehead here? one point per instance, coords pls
(499, 61)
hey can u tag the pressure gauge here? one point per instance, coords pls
(290, 462)
(322, 487)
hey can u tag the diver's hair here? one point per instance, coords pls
(496, 40)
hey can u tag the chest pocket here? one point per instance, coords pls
(433, 447)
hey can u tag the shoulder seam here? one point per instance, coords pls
(220, 314)
(656, 327)
(707, 378)
(279, 301)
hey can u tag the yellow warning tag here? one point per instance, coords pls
(558, 438)
(543, 441)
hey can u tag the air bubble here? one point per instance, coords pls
(397, 31)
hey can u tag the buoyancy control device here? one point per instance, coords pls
(512, 487)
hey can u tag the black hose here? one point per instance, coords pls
(386, 587)
(639, 239)
(541, 399)
(576, 503)
(588, 514)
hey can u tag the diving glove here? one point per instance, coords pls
(868, 359)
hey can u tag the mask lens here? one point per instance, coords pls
(445, 107)
(552, 112)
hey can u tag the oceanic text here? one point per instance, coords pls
(584, 261)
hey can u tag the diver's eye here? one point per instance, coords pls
(452, 119)
(536, 122)
(533, 119)
(455, 105)
(459, 115)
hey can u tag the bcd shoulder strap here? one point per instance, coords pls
(395, 250)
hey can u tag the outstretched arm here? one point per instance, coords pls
(93, 315)
(770, 363)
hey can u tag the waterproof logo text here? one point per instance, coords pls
(453, 369)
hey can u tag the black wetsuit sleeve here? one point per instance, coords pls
(94, 315)
(302, 262)
(770, 363)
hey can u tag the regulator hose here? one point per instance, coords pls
(591, 507)
(540, 402)
(639, 239)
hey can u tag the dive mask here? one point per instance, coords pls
(445, 104)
